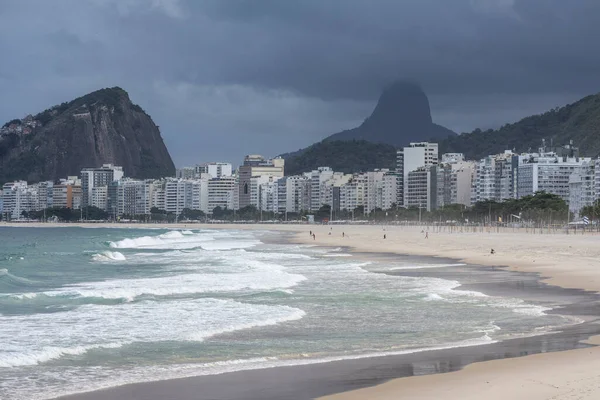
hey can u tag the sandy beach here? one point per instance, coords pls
(568, 261)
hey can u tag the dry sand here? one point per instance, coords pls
(571, 261)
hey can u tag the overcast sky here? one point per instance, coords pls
(223, 78)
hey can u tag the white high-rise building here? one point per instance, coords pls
(495, 178)
(410, 158)
(293, 194)
(156, 193)
(220, 193)
(353, 193)
(582, 190)
(455, 180)
(93, 177)
(317, 178)
(16, 198)
(547, 172)
(421, 188)
(374, 190)
(389, 192)
(181, 194)
(215, 169)
(99, 197)
(186, 173)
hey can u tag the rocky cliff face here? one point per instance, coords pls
(98, 128)
(402, 115)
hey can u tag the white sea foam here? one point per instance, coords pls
(338, 255)
(445, 290)
(99, 327)
(109, 256)
(255, 276)
(168, 240)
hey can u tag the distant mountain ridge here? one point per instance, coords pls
(578, 122)
(101, 127)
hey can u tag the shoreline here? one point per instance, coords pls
(550, 268)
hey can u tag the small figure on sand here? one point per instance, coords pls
(310, 233)
(426, 235)
(329, 233)
(493, 251)
(343, 234)
(384, 236)
(314, 237)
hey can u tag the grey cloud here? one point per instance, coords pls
(288, 73)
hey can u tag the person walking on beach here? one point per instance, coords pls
(343, 234)
(314, 237)
(384, 236)
(426, 235)
(310, 233)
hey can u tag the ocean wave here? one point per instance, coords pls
(11, 280)
(109, 256)
(94, 327)
(168, 240)
(260, 277)
(446, 291)
(24, 358)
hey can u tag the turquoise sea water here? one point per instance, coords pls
(83, 309)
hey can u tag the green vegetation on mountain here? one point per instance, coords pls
(579, 122)
(343, 156)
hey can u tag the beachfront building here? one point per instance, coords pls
(547, 172)
(256, 166)
(16, 198)
(318, 178)
(181, 194)
(582, 190)
(220, 193)
(495, 178)
(293, 194)
(95, 177)
(215, 169)
(156, 194)
(99, 197)
(374, 190)
(186, 173)
(353, 193)
(67, 193)
(410, 158)
(389, 190)
(454, 180)
(421, 188)
(127, 197)
(44, 194)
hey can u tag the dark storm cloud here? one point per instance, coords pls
(227, 77)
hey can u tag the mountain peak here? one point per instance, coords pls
(402, 115)
(100, 127)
